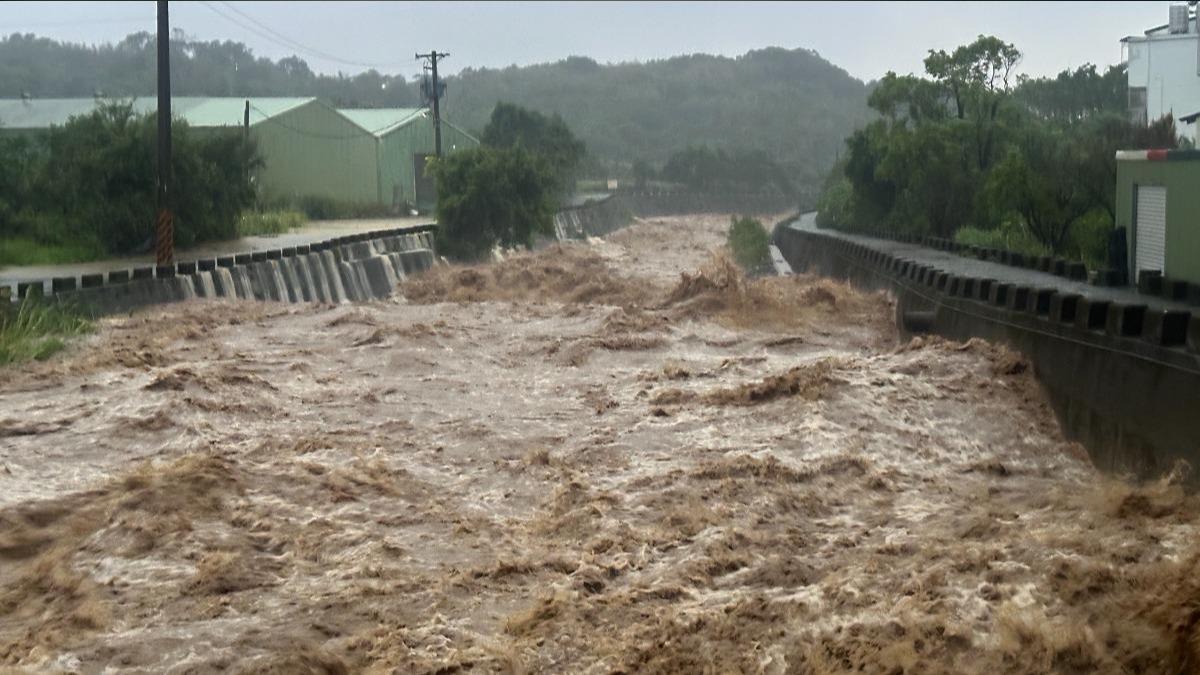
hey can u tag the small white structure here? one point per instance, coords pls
(1164, 70)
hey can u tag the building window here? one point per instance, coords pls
(1137, 105)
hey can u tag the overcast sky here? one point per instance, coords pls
(865, 38)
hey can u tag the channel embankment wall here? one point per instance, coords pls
(350, 268)
(593, 218)
(1123, 379)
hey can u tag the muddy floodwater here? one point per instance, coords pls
(610, 456)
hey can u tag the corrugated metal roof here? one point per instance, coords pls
(382, 121)
(198, 111)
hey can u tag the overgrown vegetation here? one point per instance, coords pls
(87, 189)
(749, 243)
(506, 191)
(970, 151)
(36, 329)
(269, 222)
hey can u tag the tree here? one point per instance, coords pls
(512, 126)
(642, 173)
(490, 196)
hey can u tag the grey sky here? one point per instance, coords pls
(865, 38)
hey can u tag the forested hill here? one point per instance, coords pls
(792, 104)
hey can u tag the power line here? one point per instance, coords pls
(271, 35)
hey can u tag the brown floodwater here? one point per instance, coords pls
(608, 456)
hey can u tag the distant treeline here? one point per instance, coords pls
(790, 105)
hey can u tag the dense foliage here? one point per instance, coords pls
(89, 185)
(749, 243)
(512, 126)
(970, 151)
(789, 104)
(702, 168)
(491, 196)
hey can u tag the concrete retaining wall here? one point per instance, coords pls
(351, 268)
(595, 218)
(1123, 380)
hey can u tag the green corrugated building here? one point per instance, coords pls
(1158, 204)
(373, 156)
(404, 141)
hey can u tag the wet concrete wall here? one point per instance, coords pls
(1123, 381)
(352, 268)
(595, 218)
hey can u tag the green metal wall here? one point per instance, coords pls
(397, 180)
(1182, 180)
(313, 150)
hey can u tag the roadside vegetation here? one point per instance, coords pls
(36, 329)
(86, 190)
(749, 243)
(971, 151)
(505, 192)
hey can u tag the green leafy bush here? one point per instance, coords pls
(489, 196)
(90, 184)
(749, 242)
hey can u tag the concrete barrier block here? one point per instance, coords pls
(1167, 328)
(1018, 298)
(164, 271)
(1077, 271)
(940, 280)
(1149, 282)
(1059, 267)
(26, 289)
(1039, 301)
(1091, 314)
(303, 249)
(983, 289)
(62, 284)
(1045, 263)
(274, 254)
(1063, 307)
(966, 287)
(118, 277)
(258, 256)
(288, 251)
(206, 264)
(1174, 289)
(1016, 259)
(91, 280)
(952, 284)
(999, 294)
(142, 273)
(188, 267)
(1125, 320)
(243, 259)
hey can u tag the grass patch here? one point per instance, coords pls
(269, 222)
(25, 251)
(37, 329)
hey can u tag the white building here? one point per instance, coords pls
(1164, 70)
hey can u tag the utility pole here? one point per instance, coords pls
(164, 226)
(436, 93)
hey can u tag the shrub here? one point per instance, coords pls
(489, 196)
(749, 243)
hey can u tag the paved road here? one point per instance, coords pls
(317, 230)
(964, 266)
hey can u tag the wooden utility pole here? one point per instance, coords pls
(164, 225)
(435, 92)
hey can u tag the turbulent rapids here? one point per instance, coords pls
(609, 456)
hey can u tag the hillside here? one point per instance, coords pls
(790, 103)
